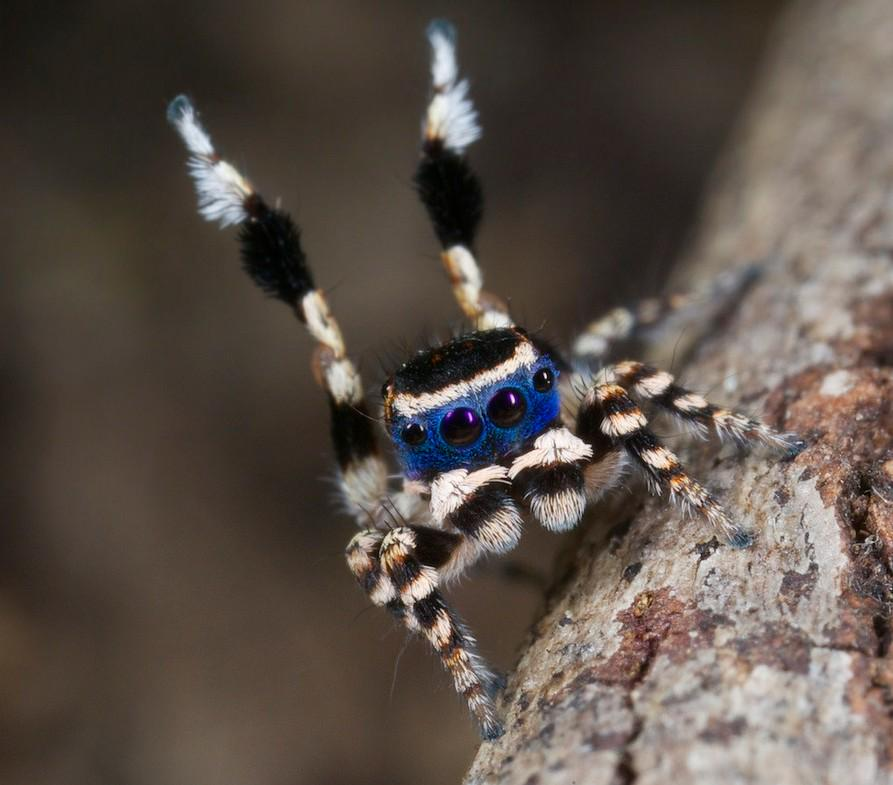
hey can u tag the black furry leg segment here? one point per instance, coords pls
(274, 258)
(399, 570)
(447, 185)
(651, 384)
(621, 420)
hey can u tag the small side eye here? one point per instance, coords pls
(414, 434)
(461, 426)
(543, 380)
(506, 407)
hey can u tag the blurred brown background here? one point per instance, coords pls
(174, 607)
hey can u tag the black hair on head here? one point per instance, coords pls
(461, 359)
(545, 346)
(272, 253)
(451, 193)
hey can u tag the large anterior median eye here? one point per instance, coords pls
(461, 426)
(506, 407)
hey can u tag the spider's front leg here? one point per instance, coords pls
(447, 185)
(273, 256)
(401, 570)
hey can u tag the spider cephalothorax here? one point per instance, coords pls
(472, 402)
(484, 433)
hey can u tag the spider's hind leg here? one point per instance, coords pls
(600, 339)
(401, 570)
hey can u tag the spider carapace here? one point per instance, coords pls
(489, 428)
(473, 402)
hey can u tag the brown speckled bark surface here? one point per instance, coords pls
(665, 656)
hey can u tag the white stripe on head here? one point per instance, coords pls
(410, 405)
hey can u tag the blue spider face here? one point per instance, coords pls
(472, 402)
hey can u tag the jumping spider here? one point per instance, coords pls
(477, 423)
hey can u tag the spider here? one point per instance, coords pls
(477, 424)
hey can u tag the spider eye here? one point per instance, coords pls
(461, 426)
(414, 434)
(543, 380)
(506, 407)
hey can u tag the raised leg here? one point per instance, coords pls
(447, 186)
(609, 409)
(274, 258)
(401, 570)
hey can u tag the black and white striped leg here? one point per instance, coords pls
(446, 184)
(624, 422)
(552, 477)
(399, 570)
(480, 505)
(597, 340)
(273, 257)
(650, 384)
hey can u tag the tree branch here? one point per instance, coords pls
(667, 657)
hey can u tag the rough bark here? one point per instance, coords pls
(666, 656)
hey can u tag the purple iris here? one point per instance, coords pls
(506, 407)
(461, 426)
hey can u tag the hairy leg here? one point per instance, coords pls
(609, 408)
(659, 387)
(400, 570)
(273, 256)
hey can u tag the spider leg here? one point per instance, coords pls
(607, 409)
(401, 570)
(598, 339)
(650, 384)
(478, 504)
(274, 258)
(447, 186)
